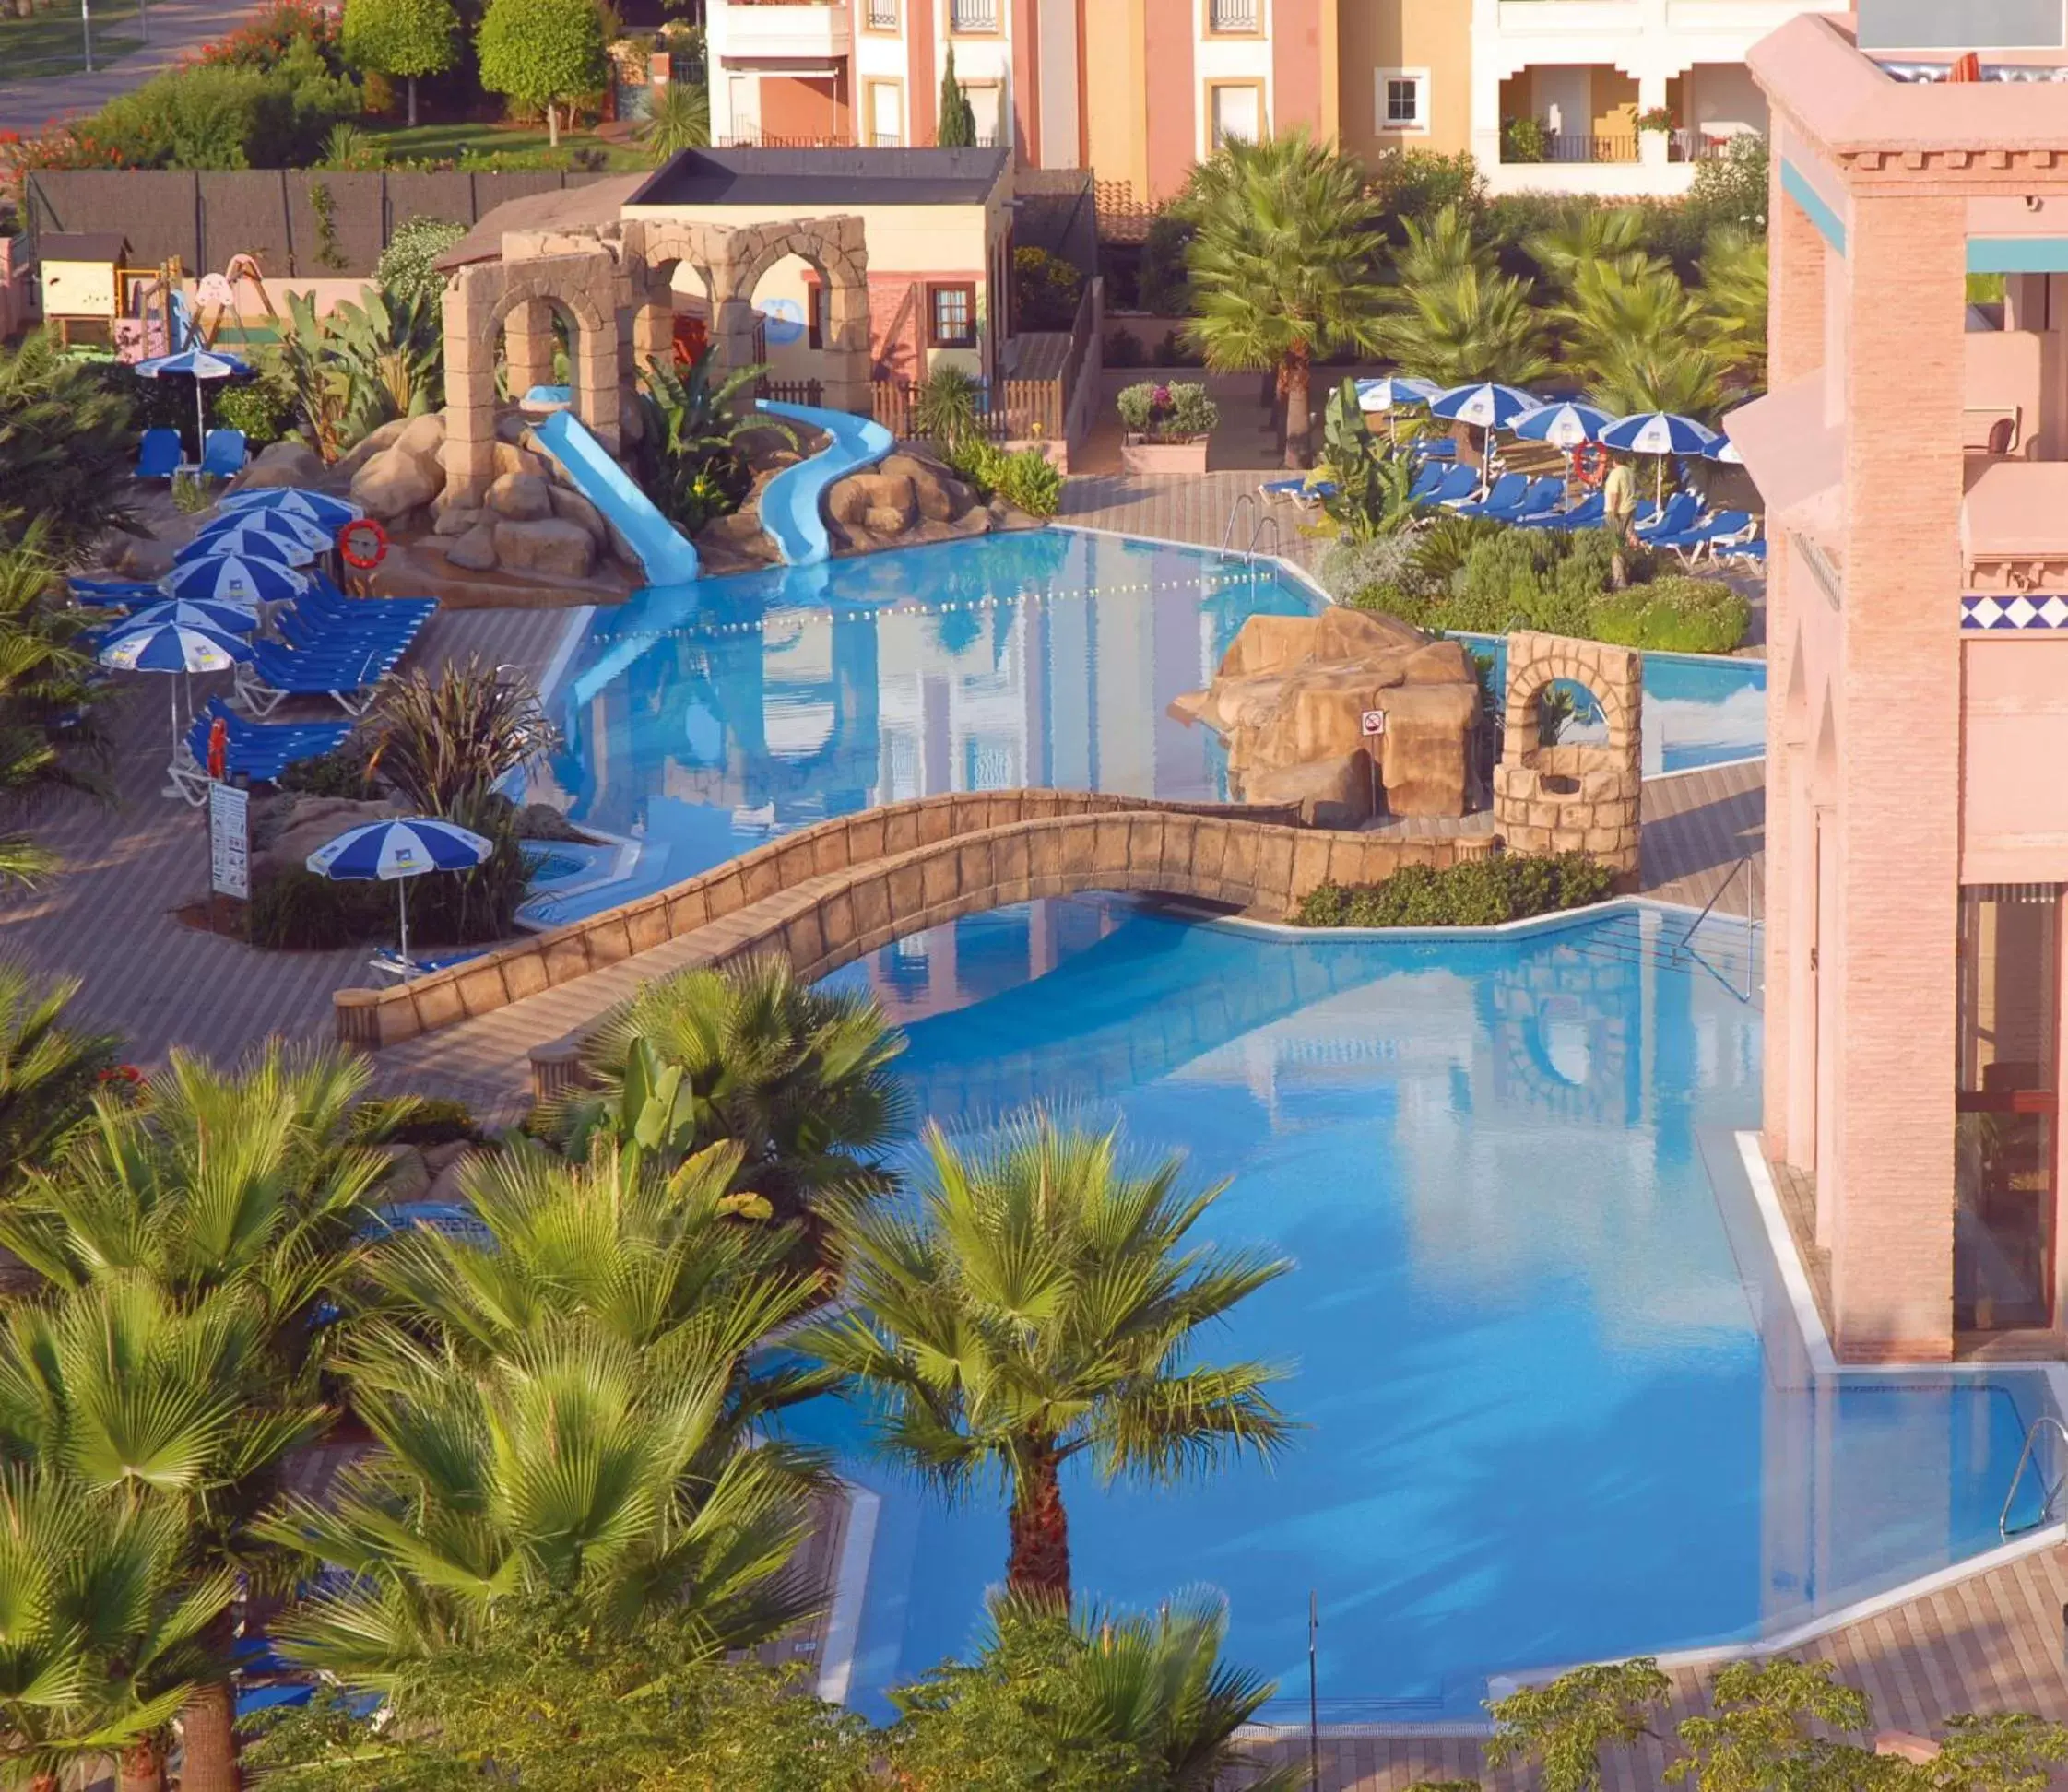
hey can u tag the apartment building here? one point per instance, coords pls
(1913, 453)
(1615, 97)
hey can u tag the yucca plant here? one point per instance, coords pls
(445, 740)
(946, 407)
(49, 739)
(678, 118)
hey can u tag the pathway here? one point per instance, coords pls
(177, 27)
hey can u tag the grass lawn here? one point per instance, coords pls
(452, 141)
(49, 42)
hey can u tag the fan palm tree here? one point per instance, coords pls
(1438, 249)
(799, 1078)
(100, 1621)
(1589, 238)
(1039, 1305)
(48, 1070)
(1642, 340)
(236, 1202)
(1283, 263)
(572, 1468)
(1734, 295)
(1473, 324)
(50, 741)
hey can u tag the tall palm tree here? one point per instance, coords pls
(1642, 340)
(234, 1200)
(50, 740)
(1039, 1303)
(570, 1468)
(1734, 295)
(48, 1070)
(1472, 324)
(799, 1078)
(1588, 238)
(1283, 265)
(100, 1621)
(1434, 251)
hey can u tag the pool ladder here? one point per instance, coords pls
(2024, 1462)
(1261, 519)
(1685, 947)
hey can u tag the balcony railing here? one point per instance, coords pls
(1526, 146)
(1234, 16)
(973, 14)
(882, 14)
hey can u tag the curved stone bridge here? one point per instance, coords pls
(506, 1026)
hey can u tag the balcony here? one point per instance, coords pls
(755, 31)
(1236, 18)
(977, 17)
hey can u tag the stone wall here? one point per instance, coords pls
(916, 866)
(1572, 798)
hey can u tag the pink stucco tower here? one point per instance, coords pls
(1913, 454)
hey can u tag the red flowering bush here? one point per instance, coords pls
(265, 42)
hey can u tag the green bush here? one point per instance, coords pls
(1478, 893)
(1177, 410)
(1524, 140)
(262, 408)
(1123, 348)
(413, 1120)
(404, 268)
(978, 464)
(226, 115)
(1677, 614)
(1045, 290)
(1029, 481)
(343, 772)
(295, 910)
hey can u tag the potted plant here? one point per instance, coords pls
(1660, 119)
(1166, 427)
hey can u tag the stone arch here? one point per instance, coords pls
(1567, 797)
(523, 294)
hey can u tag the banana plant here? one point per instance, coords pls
(1372, 481)
(657, 1111)
(391, 352)
(690, 463)
(321, 393)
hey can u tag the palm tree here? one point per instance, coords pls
(678, 119)
(1472, 324)
(1282, 263)
(100, 1621)
(1039, 1305)
(799, 1078)
(1642, 340)
(235, 1202)
(1436, 251)
(572, 1468)
(50, 741)
(1588, 238)
(48, 1070)
(1734, 295)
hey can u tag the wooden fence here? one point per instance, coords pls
(791, 391)
(1017, 410)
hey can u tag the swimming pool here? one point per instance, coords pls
(700, 719)
(1556, 1407)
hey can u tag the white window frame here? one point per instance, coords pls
(873, 85)
(1385, 127)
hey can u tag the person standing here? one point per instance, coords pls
(1619, 504)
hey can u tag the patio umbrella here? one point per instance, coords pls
(201, 366)
(236, 579)
(327, 513)
(1484, 407)
(172, 647)
(1662, 433)
(1395, 393)
(293, 527)
(1726, 451)
(398, 851)
(1567, 425)
(270, 549)
(224, 619)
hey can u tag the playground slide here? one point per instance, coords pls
(667, 555)
(790, 513)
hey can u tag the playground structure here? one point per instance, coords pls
(218, 294)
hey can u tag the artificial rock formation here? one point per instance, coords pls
(1290, 701)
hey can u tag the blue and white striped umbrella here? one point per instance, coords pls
(236, 579)
(1658, 432)
(1567, 425)
(172, 647)
(290, 528)
(200, 366)
(326, 511)
(270, 549)
(1377, 397)
(1484, 407)
(223, 618)
(398, 851)
(1724, 449)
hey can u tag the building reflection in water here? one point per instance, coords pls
(700, 719)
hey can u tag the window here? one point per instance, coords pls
(951, 315)
(882, 14)
(886, 115)
(1403, 99)
(818, 313)
(1235, 110)
(987, 106)
(1235, 17)
(973, 14)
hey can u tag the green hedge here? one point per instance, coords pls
(1478, 893)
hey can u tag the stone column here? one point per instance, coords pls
(469, 451)
(1897, 862)
(847, 386)
(595, 382)
(529, 344)
(1653, 146)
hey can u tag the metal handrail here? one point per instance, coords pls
(1235, 511)
(1278, 540)
(1686, 944)
(2023, 1461)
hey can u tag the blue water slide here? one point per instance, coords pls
(790, 512)
(669, 558)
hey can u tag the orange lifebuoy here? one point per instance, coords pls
(350, 533)
(1590, 463)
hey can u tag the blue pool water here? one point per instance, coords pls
(1555, 1407)
(701, 719)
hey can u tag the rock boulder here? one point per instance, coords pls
(521, 496)
(475, 550)
(282, 463)
(394, 483)
(574, 508)
(548, 544)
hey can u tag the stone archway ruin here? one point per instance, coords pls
(732, 259)
(1573, 799)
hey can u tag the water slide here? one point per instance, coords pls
(790, 512)
(669, 558)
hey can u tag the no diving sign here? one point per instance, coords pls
(1374, 721)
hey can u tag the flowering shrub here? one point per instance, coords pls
(1179, 411)
(266, 41)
